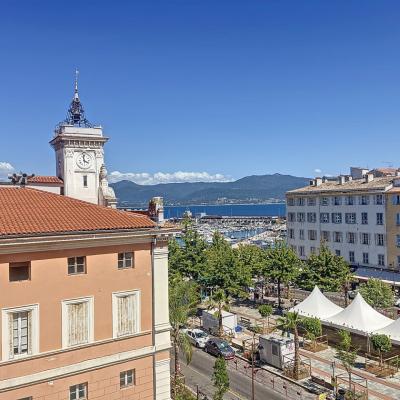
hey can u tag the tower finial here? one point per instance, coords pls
(76, 83)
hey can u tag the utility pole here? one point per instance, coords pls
(252, 365)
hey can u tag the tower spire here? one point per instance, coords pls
(76, 112)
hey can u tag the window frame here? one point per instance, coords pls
(76, 265)
(123, 375)
(124, 259)
(138, 316)
(12, 265)
(85, 386)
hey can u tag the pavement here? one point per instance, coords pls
(199, 372)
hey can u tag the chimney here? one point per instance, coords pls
(342, 179)
(369, 177)
(156, 210)
(317, 181)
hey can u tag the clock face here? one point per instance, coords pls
(84, 160)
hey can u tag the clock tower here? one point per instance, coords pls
(80, 156)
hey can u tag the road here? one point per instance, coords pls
(200, 370)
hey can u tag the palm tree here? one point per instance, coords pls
(219, 301)
(290, 322)
(182, 302)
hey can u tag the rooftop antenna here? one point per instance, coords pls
(76, 95)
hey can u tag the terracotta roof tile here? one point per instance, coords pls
(45, 179)
(27, 211)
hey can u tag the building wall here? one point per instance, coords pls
(392, 229)
(49, 285)
(372, 228)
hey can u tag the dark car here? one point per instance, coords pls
(219, 348)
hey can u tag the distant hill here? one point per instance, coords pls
(250, 189)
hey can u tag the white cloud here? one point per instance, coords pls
(317, 170)
(145, 178)
(5, 169)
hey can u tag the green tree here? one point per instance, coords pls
(382, 344)
(265, 311)
(283, 265)
(291, 322)
(377, 293)
(346, 353)
(219, 302)
(183, 299)
(313, 328)
(220, 378)
(224, 270)
(253, 259)
(326, 270)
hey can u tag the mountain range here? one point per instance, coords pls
(250, 189)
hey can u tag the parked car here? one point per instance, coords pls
(197, 337)
(219, 348)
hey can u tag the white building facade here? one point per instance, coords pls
(347, 214)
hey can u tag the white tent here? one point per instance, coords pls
(359, 317)
(392, 330)
(316, 305)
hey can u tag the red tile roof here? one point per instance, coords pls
(27, 211)
(45, 179)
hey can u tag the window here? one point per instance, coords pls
(300, 217)
(85, 181)
(290, 201)
(311, 201)
(19, 271)
(381, 260)
(365, 258)
(336, 218)
(126, 313)
(396, 199)
(398, 261)
(300, 201)
(398, 240)
(350, 218)
(364, 238)
(380, 239)
(312, 235)
(325, 236)
(312, 217)
(364, 200)
(20, 338)
(379, 199)
(351, 237)
(78, 392)
(301, 234)
(350, 200)
(291, 217)
(76, 265)
(291, 233)
(337, 237)
(126, 378)
(364, 218)
(398, 219)
(313, 250)
(351, 256)
(302, 252)
(125, 260)
(77, 322)
(324, 218)
(336, 201)
(379, 218)
(324, 201)
(337, 252)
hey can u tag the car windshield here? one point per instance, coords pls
(223, 345)
(201, 334)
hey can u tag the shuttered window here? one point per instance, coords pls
(78, 323)
(126, 320)
(20, 324)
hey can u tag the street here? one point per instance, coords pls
(200, 370)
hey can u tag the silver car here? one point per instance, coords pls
(197, 337)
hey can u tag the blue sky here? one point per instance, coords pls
(222, 87)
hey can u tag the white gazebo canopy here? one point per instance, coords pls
(359, 317)
(316, 305)
(392, 330)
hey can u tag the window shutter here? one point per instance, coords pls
(78, 326)
(10, 335)
(126, 315)
(30, 332)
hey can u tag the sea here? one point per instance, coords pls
(228, 210)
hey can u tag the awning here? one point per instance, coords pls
(390, 277)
